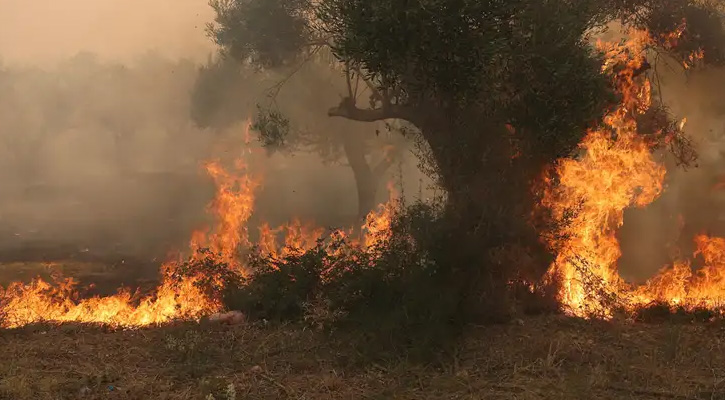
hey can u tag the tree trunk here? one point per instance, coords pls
(489, 207)
(366, 179)
(487, 237)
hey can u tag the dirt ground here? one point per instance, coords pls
(538, 358)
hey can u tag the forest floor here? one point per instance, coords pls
(538, 358)
(545, 357)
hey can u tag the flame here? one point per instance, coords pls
(378, 223)
(22, 304)
(61, 301)
(232, 206)
(693, 58)
(298, 238)
(41, 301)
(589, 195)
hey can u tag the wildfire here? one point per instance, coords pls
(378, 223)
(590, 195)
(298, 238)
(178, 296)
(232, 206)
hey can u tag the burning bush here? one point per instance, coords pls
(214, 277)
(279, 287)
(403, 290)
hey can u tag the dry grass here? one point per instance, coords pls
(541, 358)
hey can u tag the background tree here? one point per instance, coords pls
(292, 119)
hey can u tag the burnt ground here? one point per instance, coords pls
(102, 273)
(537, 358)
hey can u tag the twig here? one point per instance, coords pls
(277, 383)
(275, 89)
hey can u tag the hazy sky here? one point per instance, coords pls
(39, 31)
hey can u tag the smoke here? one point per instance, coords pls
(100, 155)
(47, 31)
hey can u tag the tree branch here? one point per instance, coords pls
(273, 91)
(370, 85)
(347, 109)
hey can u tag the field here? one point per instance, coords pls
(538, 358)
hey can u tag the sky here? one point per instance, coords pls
(47, 31)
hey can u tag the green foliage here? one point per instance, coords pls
(462, 52)
(557, 89)
(273, 129)
(428, 48)
(268, 33)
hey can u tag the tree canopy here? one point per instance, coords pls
(528, 64)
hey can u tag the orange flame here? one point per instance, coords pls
(22, 304)
(618, 171)
(378, 223)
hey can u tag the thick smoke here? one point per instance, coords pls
(100, 155)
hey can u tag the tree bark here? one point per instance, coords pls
(490, 202)
(367, 179)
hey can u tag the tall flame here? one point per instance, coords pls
(22, 304)
(590, 194)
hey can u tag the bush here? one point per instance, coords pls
(278, 288)
(404, 293)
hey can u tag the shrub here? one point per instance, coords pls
(211, 274)
(404, 295)
(406, 292)
(278, 288)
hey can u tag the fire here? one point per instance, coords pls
(22, 304)
(232, 206)
(590, 195)
(41, 301)
(178, 295)
(377, 227)
(298, 238)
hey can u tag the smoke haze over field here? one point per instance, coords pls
(98, 149)
(45, 31)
